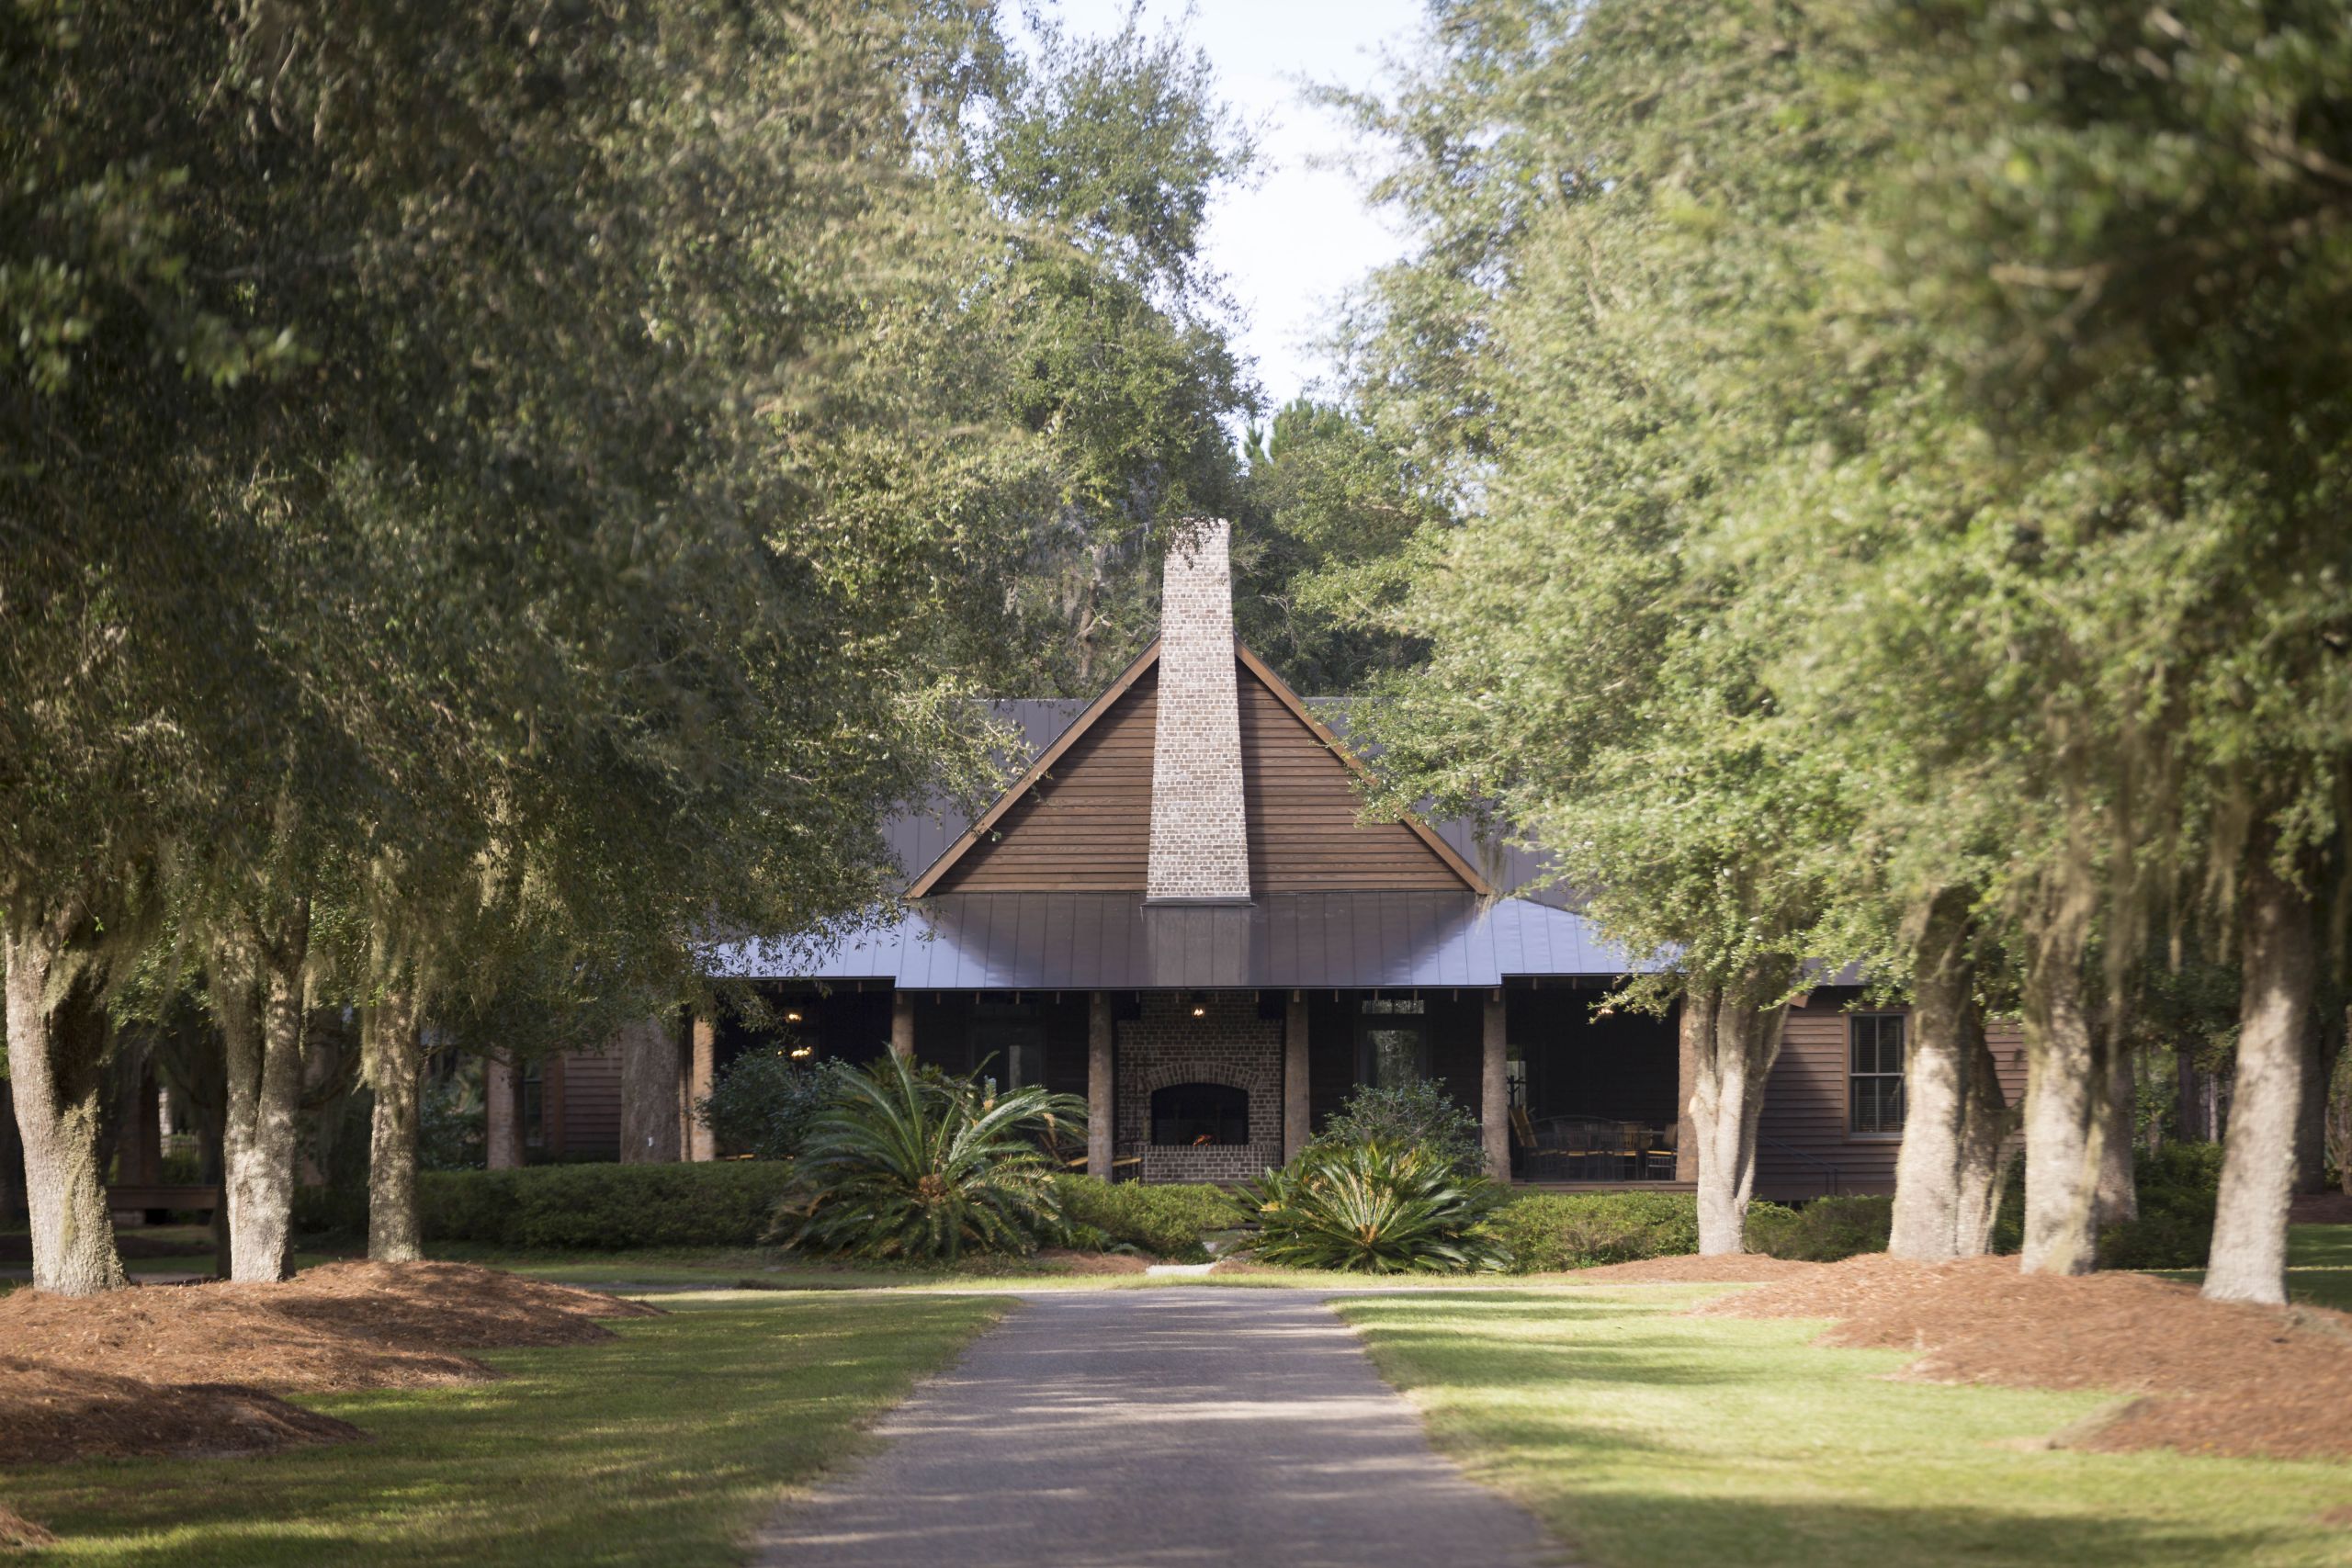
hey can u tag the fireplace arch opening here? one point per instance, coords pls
(1200, 1115)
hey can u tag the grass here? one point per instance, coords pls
(1642, 1437)
(2319, 1267)
(664, 1447)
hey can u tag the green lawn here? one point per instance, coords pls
(665, 1447)
(1643, 1436)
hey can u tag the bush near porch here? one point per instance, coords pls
(604, 1207)
(1167, 1220)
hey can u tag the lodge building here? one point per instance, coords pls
(1180, 912)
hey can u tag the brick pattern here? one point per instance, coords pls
(1231, 1045)
(1199, 831)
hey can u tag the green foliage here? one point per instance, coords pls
(2179, 1187)
(1418, 1115)
(905, 1165)
(1822, 1231)
(1167, 1220)
(602, 1207)
(1552, 1231)
(762, 1102)
(1374, 1208)
(450, 1119)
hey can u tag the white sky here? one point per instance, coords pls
(1294, 243)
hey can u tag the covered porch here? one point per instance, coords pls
(1202, 1084)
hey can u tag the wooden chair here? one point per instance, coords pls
(1664, 1143)
(1633, 1143)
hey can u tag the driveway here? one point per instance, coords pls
(1186, 1426)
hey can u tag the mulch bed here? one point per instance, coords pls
(1059, 1261)
(188, 1370)
(16, 1531)
(1731, 1269)
(2217, 1377)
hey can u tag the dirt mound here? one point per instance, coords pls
(1732, 1269)
(2222, 1376)
(344, 1326)
(51, 1413)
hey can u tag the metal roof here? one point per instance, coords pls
(1052, 942)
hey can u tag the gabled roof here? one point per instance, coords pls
(1041, 774)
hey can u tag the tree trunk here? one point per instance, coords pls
(651, 1092)
(1734, 1042)
(2249, 1257)
(258, 993)
(2116, 1193)
(502, 1140)
(57, 1049)
(393, 1055)
(1952, 1116)
(2062, 1094)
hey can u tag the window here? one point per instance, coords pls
(1874, 1075)
(1189, 1115)
(1392, 1042)
(1008, 1043)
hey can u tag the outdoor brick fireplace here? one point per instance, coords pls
(1229, 1044)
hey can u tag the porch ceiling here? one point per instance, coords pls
(1110, 942)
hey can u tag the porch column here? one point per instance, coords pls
(502, 1114)
(1494, 1087)
(1686, 1084)
(902, 1025)
(1297, 1109)
(699, 1142)
(1101, 1106)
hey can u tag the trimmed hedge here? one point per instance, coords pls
(1552, 1231)
(1825, 1230)
(605, 1207)
(1167, 1220)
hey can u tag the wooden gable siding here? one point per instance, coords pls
(1807, 1112)
(1304, 831)
(1087, 826)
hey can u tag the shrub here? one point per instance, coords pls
(1377, 1208)
(1551, 1231)
(1408, 1116)
(1167, 1221)
(602, 1207)
(1822, 1231)
(762, 1104)
(908, 1164)
(2178, 1185)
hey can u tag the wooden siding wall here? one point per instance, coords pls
(1807, 1112)
(591, 1105)
(1086, 827)
(1621, 1067)
(1304, 835)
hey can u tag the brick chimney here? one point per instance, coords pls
(1200, 853)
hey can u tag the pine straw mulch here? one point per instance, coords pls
(1058, 1260)
(183, 1369)
(2216, 1377)
(1730, 1269)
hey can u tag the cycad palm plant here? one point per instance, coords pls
(907, 1164)
(1375, 1208)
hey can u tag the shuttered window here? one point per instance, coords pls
(1874, 1075)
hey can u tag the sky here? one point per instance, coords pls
(1293, 245)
